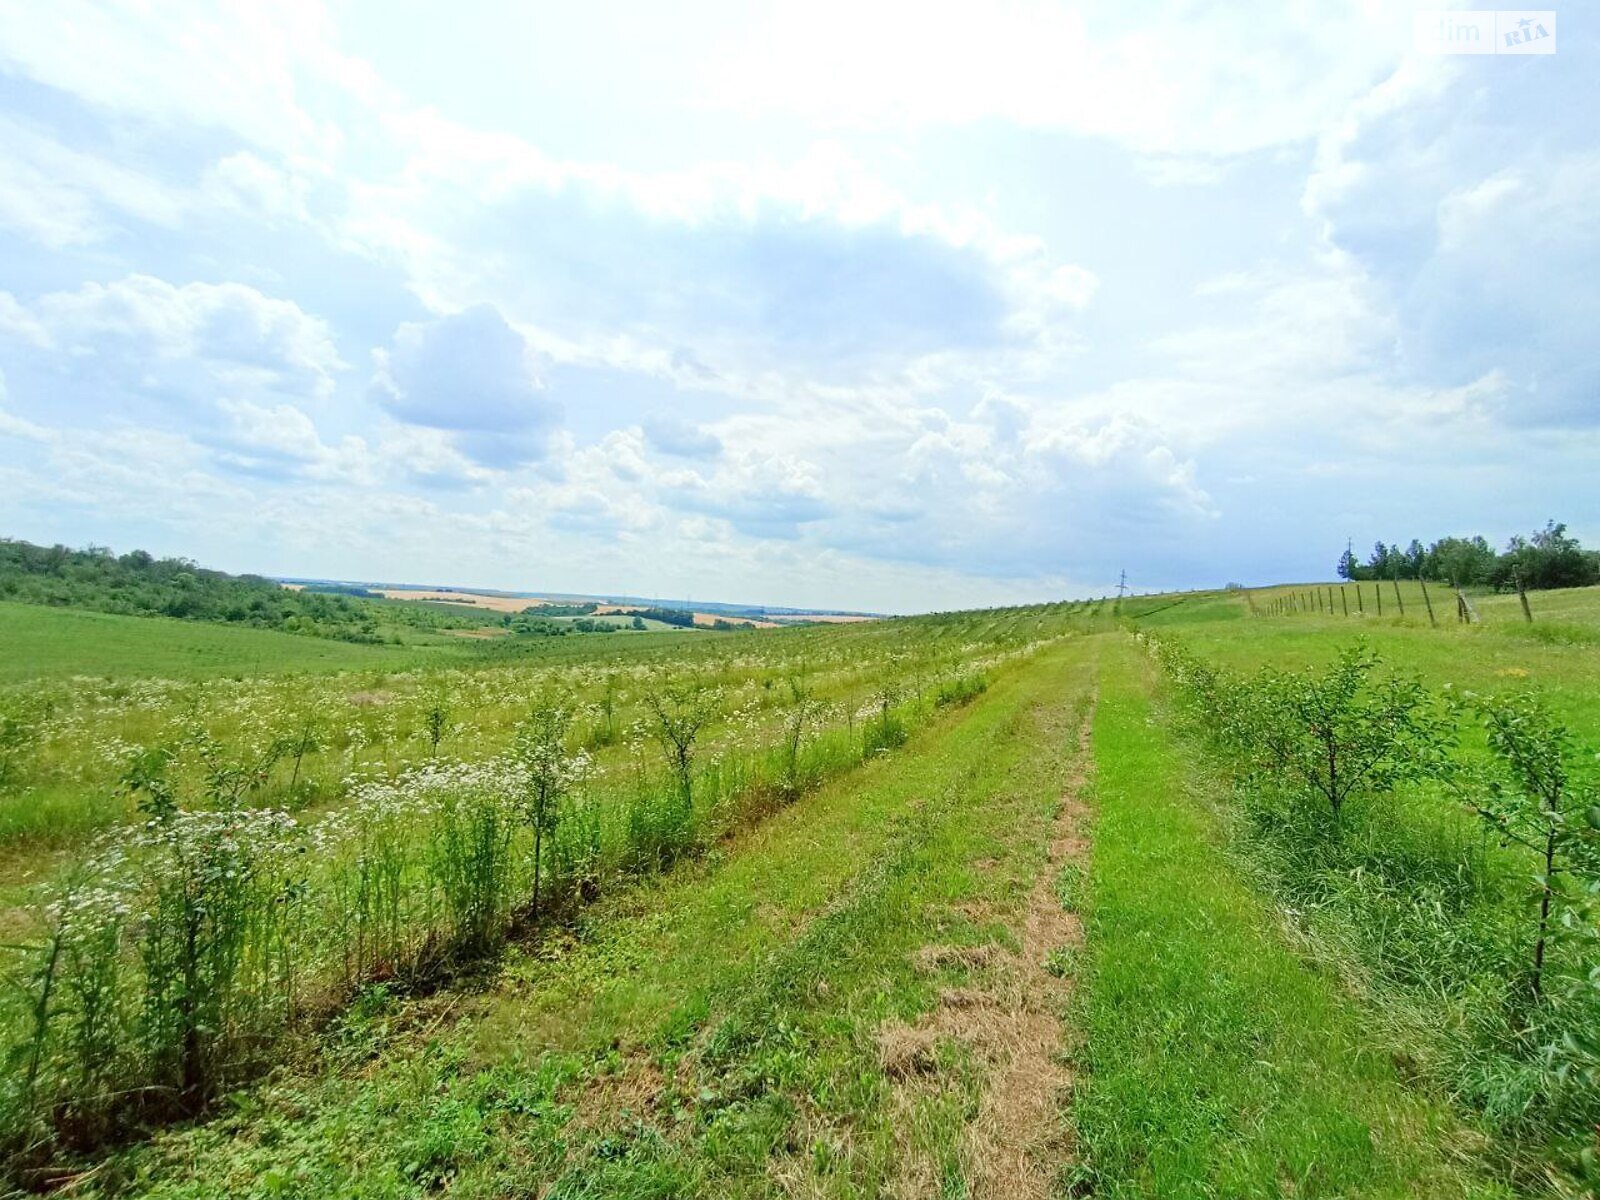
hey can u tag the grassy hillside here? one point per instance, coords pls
(54, 643)
(138, 585)
(979, 904)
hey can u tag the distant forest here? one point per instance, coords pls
(1548, 559)
(139, 584)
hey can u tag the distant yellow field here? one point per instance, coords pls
(506, 604)
(517, 604)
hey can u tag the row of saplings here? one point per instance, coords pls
(1360, 790)
(178, 955)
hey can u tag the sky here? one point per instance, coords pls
(870, 305)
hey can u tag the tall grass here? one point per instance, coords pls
(174, 961)
(1460, 881)
(66, 744)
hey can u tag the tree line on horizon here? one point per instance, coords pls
(140, 584)
(1550, 558)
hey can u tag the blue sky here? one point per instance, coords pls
(886, 306)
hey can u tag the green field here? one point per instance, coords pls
(58, 643)
(54, 643)
(986, 904)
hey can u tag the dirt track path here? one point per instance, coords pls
(1018, 1143)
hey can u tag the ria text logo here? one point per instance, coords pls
(1485, 31)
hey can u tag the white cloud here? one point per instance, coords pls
(672, 435)
(63, 197)
(1166, 80)
(16, 427)
(1464, 214)
(254, 70)
(149, 329)
(248, 183)
(750, 267)
(1465, 199)
(282, 441)
(473, 374)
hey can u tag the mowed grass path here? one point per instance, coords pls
(1217, 1061)
(717, 1033)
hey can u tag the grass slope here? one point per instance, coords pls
(716, 1033)
(1560, 659)
(54, 643)
(807, 1009)
(1218, 1063)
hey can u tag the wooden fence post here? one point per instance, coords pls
(1423, 584)
(1344, 601)
(1527, 612)
(1377, 590)
(1398, 599)
(1361, 606)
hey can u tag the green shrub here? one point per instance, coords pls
(21, 720)
(960, 690)
(1348, 731)
(882, 732)
(549, 772)
(1535, 795)
(1500, 982)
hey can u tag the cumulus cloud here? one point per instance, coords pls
(282, 442)
(1483, 241)
(231, 330)
(673, 435)
(429, 458)
(140, 349)
(763, 495)
(470, 373)
(772, 287)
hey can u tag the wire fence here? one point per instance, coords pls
(1398, 599)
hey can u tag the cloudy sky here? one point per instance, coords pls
(872, 305)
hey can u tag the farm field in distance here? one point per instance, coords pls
(1045, 901)
(504, 602)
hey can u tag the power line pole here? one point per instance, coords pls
(1122, 584)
